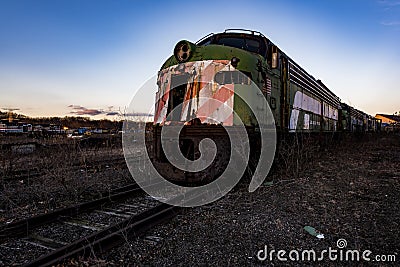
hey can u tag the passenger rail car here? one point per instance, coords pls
(298, 101)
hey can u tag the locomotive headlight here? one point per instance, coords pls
(184, 50)
(234, 61)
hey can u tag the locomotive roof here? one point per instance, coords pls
(248, 40)
(244, 39)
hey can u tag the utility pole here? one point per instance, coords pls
(10, 113)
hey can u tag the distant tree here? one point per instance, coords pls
(70, 122)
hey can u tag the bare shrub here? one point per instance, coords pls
(295, 153)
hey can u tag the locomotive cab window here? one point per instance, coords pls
(233, 42)
(251, 43)
(242, 43)
(273, 57)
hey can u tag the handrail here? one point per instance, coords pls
(205, 37)
(245, 30)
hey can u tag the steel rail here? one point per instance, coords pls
(25, 226)
(110, 237)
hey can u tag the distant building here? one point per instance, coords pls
(15, 127)
(3, 127)
(388, 119)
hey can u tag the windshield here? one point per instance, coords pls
(246, 42)
(242, 43)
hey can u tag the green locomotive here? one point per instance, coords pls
(218, 66)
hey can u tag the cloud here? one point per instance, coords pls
(139, 114)
(91, 112)
(390, 23)
(389, 3)
(85, 111)
(79, 110)
(390, 6)
(112, 113)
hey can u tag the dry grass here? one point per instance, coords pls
(60, 172)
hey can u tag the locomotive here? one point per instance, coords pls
(237, 59)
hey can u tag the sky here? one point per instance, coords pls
(77, 57)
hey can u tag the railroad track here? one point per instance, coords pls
(26, 226)
(110, 237)
(91, 227)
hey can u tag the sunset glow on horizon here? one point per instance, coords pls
(88, 58)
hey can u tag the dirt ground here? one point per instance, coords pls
(349, 193)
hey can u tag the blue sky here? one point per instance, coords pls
(56, 55)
